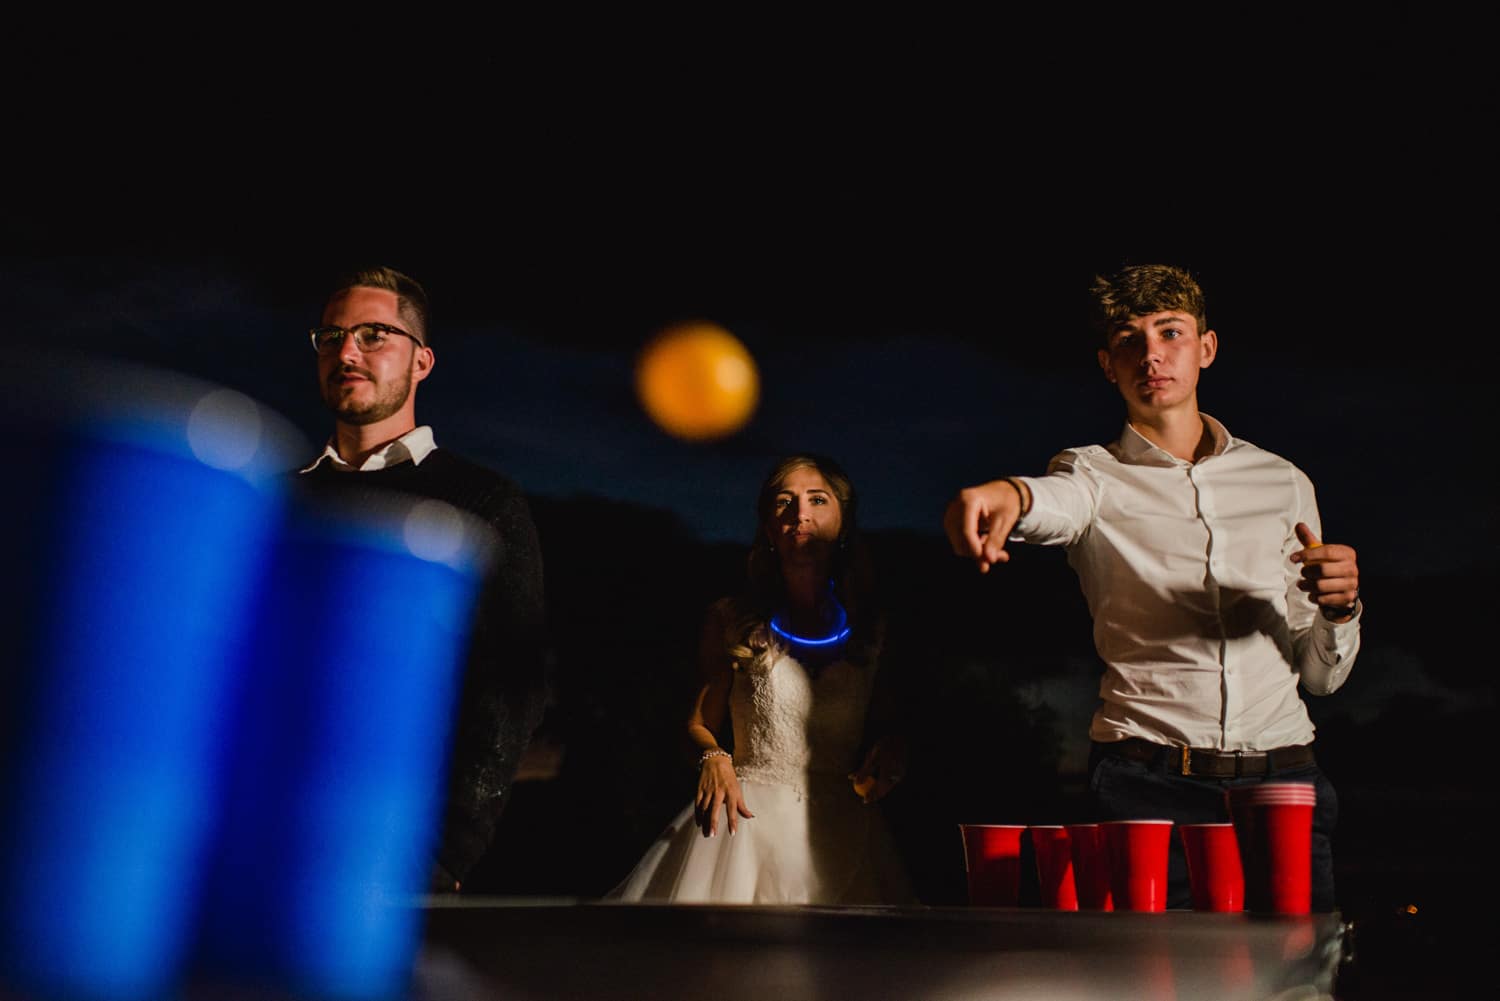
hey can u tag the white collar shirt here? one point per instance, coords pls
(1185, 567)
(413, 447)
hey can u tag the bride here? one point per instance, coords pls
(787, 816)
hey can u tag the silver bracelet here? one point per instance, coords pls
(713, 752)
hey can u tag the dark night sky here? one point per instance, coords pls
(908, 276)
(903, 251)
(912, 298)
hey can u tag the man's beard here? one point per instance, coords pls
(389, 398)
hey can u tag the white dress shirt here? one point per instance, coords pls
(1197, 616)
(412, 447)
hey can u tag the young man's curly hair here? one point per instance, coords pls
(1141, 290)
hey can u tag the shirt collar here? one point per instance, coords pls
(1136, 449)
(413, 447)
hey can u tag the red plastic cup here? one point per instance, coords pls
(992, 857)
(1215, 876)
(1090, 867)
(1054, 866)
(1137, 851)
(1273, 824)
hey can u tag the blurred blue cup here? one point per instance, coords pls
(138, 517)
(334, 788)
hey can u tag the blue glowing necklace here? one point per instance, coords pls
(838, 634)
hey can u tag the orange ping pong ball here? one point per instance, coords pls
(697, 381)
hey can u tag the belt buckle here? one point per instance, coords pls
(1187, 760)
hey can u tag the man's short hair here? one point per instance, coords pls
(411, 298)
(1140, 290)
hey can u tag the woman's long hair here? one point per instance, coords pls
(850, 572)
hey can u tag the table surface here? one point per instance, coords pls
(585, 949)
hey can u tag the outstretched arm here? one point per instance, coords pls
(978, 521)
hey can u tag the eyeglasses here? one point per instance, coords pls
(368, 337)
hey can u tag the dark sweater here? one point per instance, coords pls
(504, 689)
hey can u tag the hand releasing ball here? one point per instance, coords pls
(697, 381)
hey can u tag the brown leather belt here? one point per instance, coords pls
(1205, 762)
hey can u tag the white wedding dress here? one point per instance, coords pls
(812, 840)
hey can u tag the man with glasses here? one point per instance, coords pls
(373, 351)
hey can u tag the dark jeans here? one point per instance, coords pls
(1122, 789)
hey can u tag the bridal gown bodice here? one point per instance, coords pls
(791, 725)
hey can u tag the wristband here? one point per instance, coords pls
(1022, 493)
(712, 752)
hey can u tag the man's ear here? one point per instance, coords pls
(421, 363)
(1104, 364)
(1210, 341)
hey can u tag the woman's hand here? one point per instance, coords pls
(884, 766)
(719, 787)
